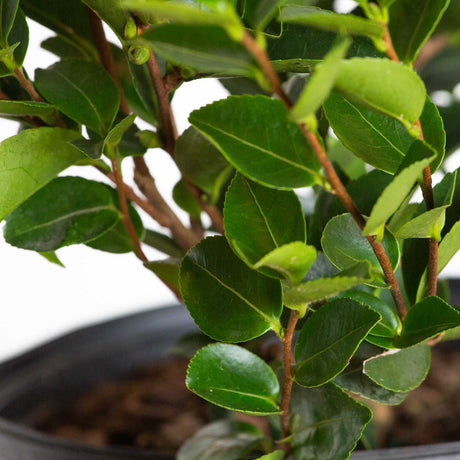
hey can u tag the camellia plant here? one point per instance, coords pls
(307, 173)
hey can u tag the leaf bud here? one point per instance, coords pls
(139, 54)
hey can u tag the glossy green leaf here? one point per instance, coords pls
(228, 301)
(298, 297)
(259, 14)
(258, 219)
(411, 24)
(384, 86)
(329, 338)
(82, 90)
(275, 455)
(426, 319)
(234, 378)
(62, 48)
(166, 269)
(185, 200)
(92, 148)
(327, 20)
(201, 163)
(223, 439)
(31, 159)
(393, 195)
(330, 422)
(449, 246)
(400, 370)
(353, 379)
(8, 9)
(29, 108)
(203, 48)
(320, 83)
(115, 135)
(68, 210)
(163, 243)
(277, 156)
(19, 38)
(389, 325)
(344, 245)
(112, 12)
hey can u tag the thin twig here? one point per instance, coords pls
(390, 51)
(27, 85)
(287, 378)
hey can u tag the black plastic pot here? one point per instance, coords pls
(116, 348)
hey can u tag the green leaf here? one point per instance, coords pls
(277, 156)
(411, 24)
(389, 325)
(275, 455)
(384, 86)
(228, 301)
(52, 257)
(31, 159)
(258, 219)
(233, 377)
(8, 9)
(327, 20)
(29, 108)
(92, 148)
(201, 163)
(166, 269)
(344, 245)
(223, 440)
(259, 14)
(329, 338)
(19, 37)
(320, 83)
(115, 135)
(393, 195)
(298, 297)
(330, 422)
(68, 210)
(203, 48)
(353, 379)
(399, 370)
(427, 319)
(185, 200)
(449, 246)
(163, 243)
(112, 12)
(62, 48)
(82, 90)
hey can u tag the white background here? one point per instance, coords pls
(39, 300)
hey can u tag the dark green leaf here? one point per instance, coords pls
(203, 48)
(453, 212)
(201, 163)
(19, 37)
(384, 86)
(92, 148)
(234, 378)
(111, 12)
(82, 90)
(329, 338)
(400, 370)
(30, 108)
(344, 245)
(278, 156)
(353, 379)
(8, 9)
(330, 422)
(258, 14)
(412, 23)
(62, 48)
(68, 210)
(228, 301)
(163, 243)
(166, 269)
(258, 219)
(223, 440)
(298, 297)
(185, 200)
(427, 319)
(31, 159)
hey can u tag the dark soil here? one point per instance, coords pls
(154, 410)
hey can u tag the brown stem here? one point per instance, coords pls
(390, 51)
(287, 380)
(27, 85)
(125, 212)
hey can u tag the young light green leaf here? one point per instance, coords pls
(411, 24)
(258, 219)
(82, 90)
(329, 338)
(427, 319)
(330, 422)
(327, 20)
(298, 297)
(115, 135)
(275, 455)
(389, 201)
(384, 86)
(353, 379)
(31, 159)
(223, 439)
(320, 83)
(344, 245)
(400, 370)
(166, 269)
(201, 163)
(52, 257)
(233, 377)
(277, 156)
(389, 325)
(8, 9)
(228, 301)
(30, 108)
(68, 210)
